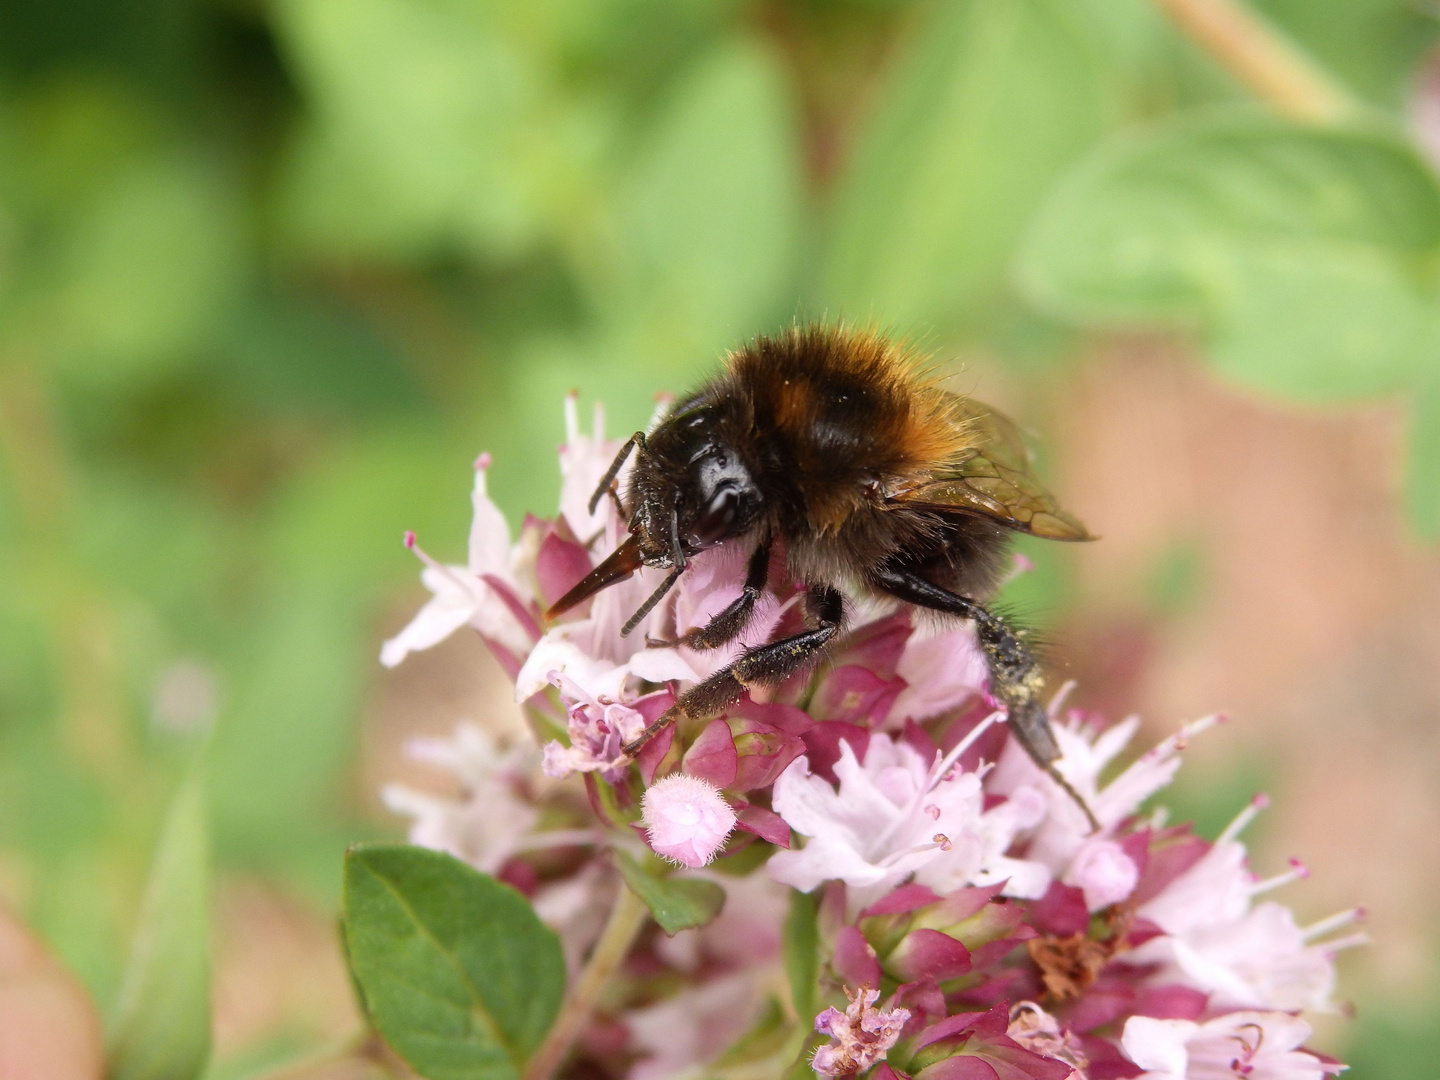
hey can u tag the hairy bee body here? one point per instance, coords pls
(833, 447)
(831, 428)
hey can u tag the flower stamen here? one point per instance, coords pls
(1242, 819)
(1333, 922)
(1298, 872)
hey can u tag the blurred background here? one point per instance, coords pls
(273, 273)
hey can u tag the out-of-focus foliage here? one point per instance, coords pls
(1307, 256)
(268, 271)
(161, 1026)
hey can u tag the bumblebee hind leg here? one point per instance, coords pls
(1015, 677)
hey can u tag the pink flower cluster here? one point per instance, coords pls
(950, 876)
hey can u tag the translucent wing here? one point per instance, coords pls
(994, 479)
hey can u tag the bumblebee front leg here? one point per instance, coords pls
(1015, 677)
(771, 663)
(728, 624)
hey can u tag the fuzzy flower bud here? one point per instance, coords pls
(686, 819)
(1103, 871)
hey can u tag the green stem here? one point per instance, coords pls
(626, 919)
(1259, 56)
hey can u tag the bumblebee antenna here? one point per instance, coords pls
(678, 559)
(649, 604)
(677, 549)
(638, 439)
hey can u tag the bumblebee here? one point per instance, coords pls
(831, 444)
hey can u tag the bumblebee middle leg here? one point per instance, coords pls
(770, 663)
(1014, 675)
(729, 623)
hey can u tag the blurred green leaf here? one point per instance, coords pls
(1422, 475)
(161, 1026)
(457, 972)
(677, 903)
(800, 947)
(993, 99)
(1307, 255)
(709, 213)
(1372, 44)
(437, 123)
(149, 267)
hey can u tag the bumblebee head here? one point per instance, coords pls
(691, 489)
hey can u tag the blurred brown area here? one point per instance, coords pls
(1311, 625)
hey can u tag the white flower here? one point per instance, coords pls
(488, 593)
(1247, 1045)
(686, 819)
(1065, 833)
(895, 816)
(1243, 956)
(598, 728)
(491, 822)
(942, 666)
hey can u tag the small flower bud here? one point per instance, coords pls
(686, 819)
(1104, 873)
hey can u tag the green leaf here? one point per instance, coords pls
(457, 972)
(708, 214)
(800, 947)
(1307, 256)
(994, 99)
(160, 1029)
(677, 903)
(1422, 477)
(147, 270)
(433, 122)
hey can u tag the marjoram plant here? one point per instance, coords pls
(855, 873)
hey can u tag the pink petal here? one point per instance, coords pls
(877, 645)
(1061, 911)
(787, 718)
(854, 959)
(514, 605)
(1137, 846)
(991, 1023)
(928, 954)
(764, 753)
(1173, 1002)
(559, 566)
(923, 998)
(765, 824)
(905, 898)
(1106, 1060)
(652, 754)
(995, 951)
(712, 756)
(962, 1067)
(853, 694)
(1172, 852)
(822, 746)
(1102, 1003)
(963, 903)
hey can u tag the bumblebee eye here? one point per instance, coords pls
(714, 524)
